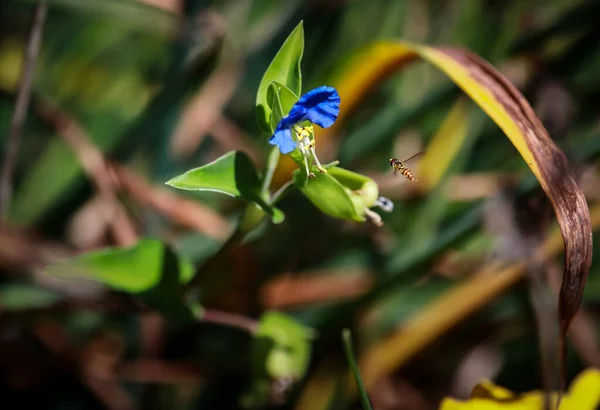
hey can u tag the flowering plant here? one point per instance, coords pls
(289, 118)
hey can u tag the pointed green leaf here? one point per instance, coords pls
(284, 69)
(232, 174)
(220, 176)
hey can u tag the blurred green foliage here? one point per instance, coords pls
(127, 71)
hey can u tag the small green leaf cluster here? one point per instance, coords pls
(280, 356)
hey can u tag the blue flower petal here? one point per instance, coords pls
(320, 106)
(296, 115)
(283, 139)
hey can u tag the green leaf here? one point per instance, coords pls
(281, 100)
(287, 97)
(364, 397)
(329, 195)
(282, 346)
(284, 69)
(277, 112)
(166, 296)
(232, 174)
(134, 270)
(149, 269)
(280, 351)
(223, 175)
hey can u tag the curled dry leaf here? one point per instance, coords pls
(513, 114)
(502, 102)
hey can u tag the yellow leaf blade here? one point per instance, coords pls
(444, 146)
(512, 113)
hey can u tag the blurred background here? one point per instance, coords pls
(127, 94)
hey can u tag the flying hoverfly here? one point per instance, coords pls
(400, 166)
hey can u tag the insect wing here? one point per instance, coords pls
(418, 154)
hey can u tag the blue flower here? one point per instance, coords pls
(320, 106)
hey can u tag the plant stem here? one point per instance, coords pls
(21, 105)
(230, 320)
(282, 192)
(364, 397)
(272, 162)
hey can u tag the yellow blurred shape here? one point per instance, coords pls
(487, 389)
(444, 146)
(11, 63)
(583, 395)
(320, 388)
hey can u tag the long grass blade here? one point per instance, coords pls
(364, 397)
